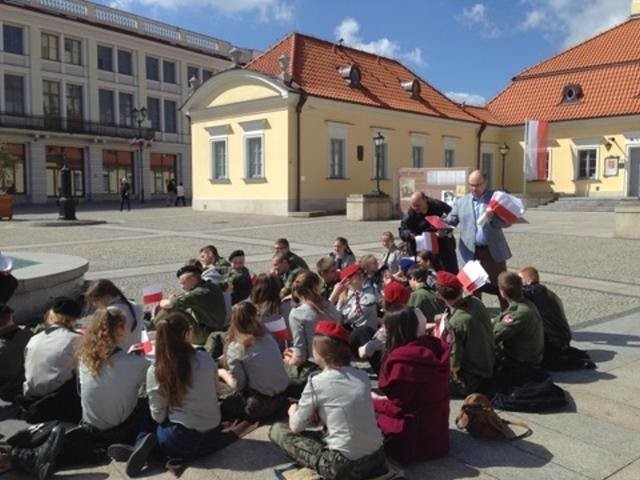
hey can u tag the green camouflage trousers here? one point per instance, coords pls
(308, 450)
(250, 405)
(298, 376)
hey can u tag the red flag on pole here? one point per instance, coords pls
(536, 142)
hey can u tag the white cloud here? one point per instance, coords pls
(349, 32)
(267, 10)
(568, 22)
(467, 98)
(476, 17)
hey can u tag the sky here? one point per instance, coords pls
(469, 50)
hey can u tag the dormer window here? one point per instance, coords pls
(351, 73)
(572, 93)
(412, 87)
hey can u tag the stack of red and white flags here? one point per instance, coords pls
(505, 206)
(473, 276)
(427, 241)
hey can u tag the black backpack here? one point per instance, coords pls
(531, 397)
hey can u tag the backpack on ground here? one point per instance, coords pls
(535, 397)
(478, 418)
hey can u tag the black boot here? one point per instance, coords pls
(138, 458)
(40, 461)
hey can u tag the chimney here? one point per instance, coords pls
(235, 54)
(635, 8)
(283, 63)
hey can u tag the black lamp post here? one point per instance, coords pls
(378, 140)
(66, 204)
(504, 150)
(139, 116)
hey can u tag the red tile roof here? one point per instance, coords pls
(482, 114)
(607, 68)
(314, 65)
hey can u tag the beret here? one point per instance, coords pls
(66, 306)
(448, 279)
(236, 253)
(349, 271)
(188, 269)
(332, 329)
(395, 293)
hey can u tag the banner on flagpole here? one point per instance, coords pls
(536, 143)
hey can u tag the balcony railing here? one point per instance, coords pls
(67, 125)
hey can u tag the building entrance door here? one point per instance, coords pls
(634, 172)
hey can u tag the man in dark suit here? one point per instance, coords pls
(414, 224)
(485, 243)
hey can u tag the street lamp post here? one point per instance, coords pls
(378, 140)
(504, 150)
(139, 116)
(66, 203)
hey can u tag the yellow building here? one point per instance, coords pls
(72, 72)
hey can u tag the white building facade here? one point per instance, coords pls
(72, 76)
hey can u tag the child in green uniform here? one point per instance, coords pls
(238, 278)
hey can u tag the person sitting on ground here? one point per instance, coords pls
(391, 257)
(432, 263)
(50, 365)
(110, 379)
(102, 294)
(239, 277)
(468, 330)
(311, 307)
(357, 304)
(413, 414)
(396, 297)
(254, 380)
(281, 266)
(40, 461)
(281, 245)
(558, 354)
(214, 266)
(329, 273)
(518, 334)
(422, 296)
(373, 274)
(339, 398)
(13, 341)
(204, 305)
(182, 388)
(265, 295)
(342, 253)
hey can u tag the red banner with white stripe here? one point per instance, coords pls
(536, 143)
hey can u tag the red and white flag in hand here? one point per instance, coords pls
(473, 276)
(151, 294)
(427, 241)
(145, 344)
(437, 222)
(278, 329)
(507, 207)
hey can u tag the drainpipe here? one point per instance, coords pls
(301, 101)
(483, 126)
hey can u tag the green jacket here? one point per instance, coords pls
(287, 280)
(472, 344)
(222, 266)
(12, 344)
(240, 282)
(205, 306)
(425, 299)
(519, 334)
(297, 262)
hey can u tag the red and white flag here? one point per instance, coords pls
(536, 143)
(151, 294)
(137, 142)
(473, 276)
(427, 241)
(145, 344)
(507, 207)
(437, 222)
(278, 329)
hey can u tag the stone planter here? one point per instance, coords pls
(6, 206)
(627, 219)
(369, 207)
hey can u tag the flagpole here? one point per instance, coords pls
(524, 158)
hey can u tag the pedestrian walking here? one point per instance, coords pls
(125, 190)
(180, 195)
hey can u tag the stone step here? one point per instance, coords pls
(576, 204)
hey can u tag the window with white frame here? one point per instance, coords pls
(337, 150)
(254, 155)
(417, 150)
(587, 163)
(219, 158)
(449, 152)
(383, 151)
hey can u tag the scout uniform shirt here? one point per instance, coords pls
(360, 309)
(425, 299)
(471, 338)
(518, 334)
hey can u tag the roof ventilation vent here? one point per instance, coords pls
(351, 73)
(572, 93)
(412, 87)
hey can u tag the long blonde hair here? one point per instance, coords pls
(99, 341)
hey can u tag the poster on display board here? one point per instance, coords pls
(444, 184)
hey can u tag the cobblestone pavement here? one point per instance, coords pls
(594, 274)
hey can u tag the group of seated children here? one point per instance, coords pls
(289, 333)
